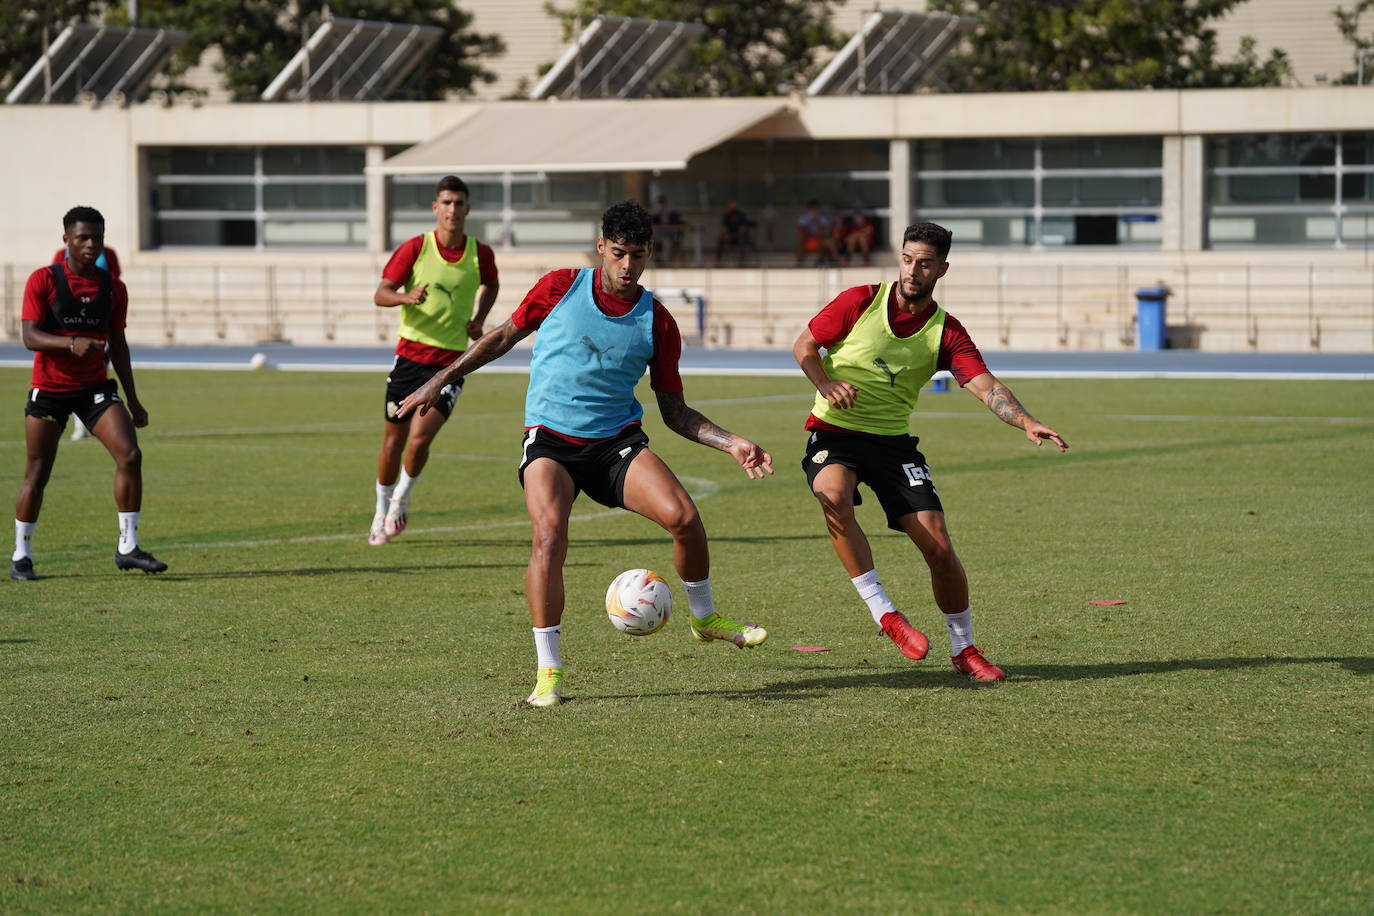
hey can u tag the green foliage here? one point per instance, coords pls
(751, 49)
(257, 38)
(1348, 21)
(21, 32)
(1102, 44)
(289, 720)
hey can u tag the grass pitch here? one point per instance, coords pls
(291, 720)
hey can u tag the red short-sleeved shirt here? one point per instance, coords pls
(663, 365)
(111, 260)
(398, 269)
(61, 371)
(958, 354)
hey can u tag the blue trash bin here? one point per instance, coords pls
(1151, 306)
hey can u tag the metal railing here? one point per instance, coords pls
(1005, 305)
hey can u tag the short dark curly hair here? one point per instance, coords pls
(82, 215)
(627, 222)
(936, 236)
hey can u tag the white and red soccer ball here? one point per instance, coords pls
(639, 602)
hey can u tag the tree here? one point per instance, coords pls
(1349, 24)
(21, 33)
(762, 48)
(256, 37)
(1026, 45)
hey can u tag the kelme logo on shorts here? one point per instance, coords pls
(819, 457)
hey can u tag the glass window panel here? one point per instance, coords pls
(205, 232)
(1269, 150)
(1102, 153)
(1272, 229)
(313, 160)
(1105, 191)
(486, 195)
(205, 197)
(942, 155)
(315, 233)
(1272, 189)
(1358, 149)
(193, 160)
(314, 197)
(985, 231)
(577, 190)
(1358, 227)
(977, 192)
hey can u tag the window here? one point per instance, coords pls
(1308, 190)
(258, 197)
(1044, 192)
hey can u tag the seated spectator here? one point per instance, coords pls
(857, 239)
(668, 226)
(814, 235)
(734, 231)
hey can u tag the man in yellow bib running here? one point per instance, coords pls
(435, 278)
(883, 343)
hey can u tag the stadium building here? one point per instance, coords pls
(271, 220)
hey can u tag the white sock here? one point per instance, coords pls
(960, 630)
(23, 535)
(546, 646)
(128, 531)
(383, 497)
(699, 599)
(871, 591)
(401, 495)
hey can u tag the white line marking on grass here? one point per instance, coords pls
(699, 488)
(1187, 418)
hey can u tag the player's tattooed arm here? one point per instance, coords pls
(1004, 405)
(691, 424)
(491, 345)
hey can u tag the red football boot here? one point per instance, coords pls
(971, 662)
(911, 641)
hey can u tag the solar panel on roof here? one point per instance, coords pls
(895, 52)
(618, 57)
(354, 60)
(97, 62)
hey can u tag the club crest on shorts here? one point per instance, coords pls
(819, 457)
(391, 409)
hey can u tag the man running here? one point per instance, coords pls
(435, 278)
(883, 343)
(598, 331)
(73, 315)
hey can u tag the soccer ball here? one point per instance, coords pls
(638, 602)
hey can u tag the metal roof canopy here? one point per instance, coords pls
(553, 137)
(357, 60)
(94, 61)
(892, 54)
(618, 57)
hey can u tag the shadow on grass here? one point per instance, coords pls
(314, 571)
(925, 677)
(1353, 664)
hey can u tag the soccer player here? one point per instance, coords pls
(883, 343)
(108, 260)
(435, 278)
(598, 331)
(73, 314)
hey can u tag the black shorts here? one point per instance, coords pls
(597, 468)
(406, 377)
(87, 403)
(892, 466)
